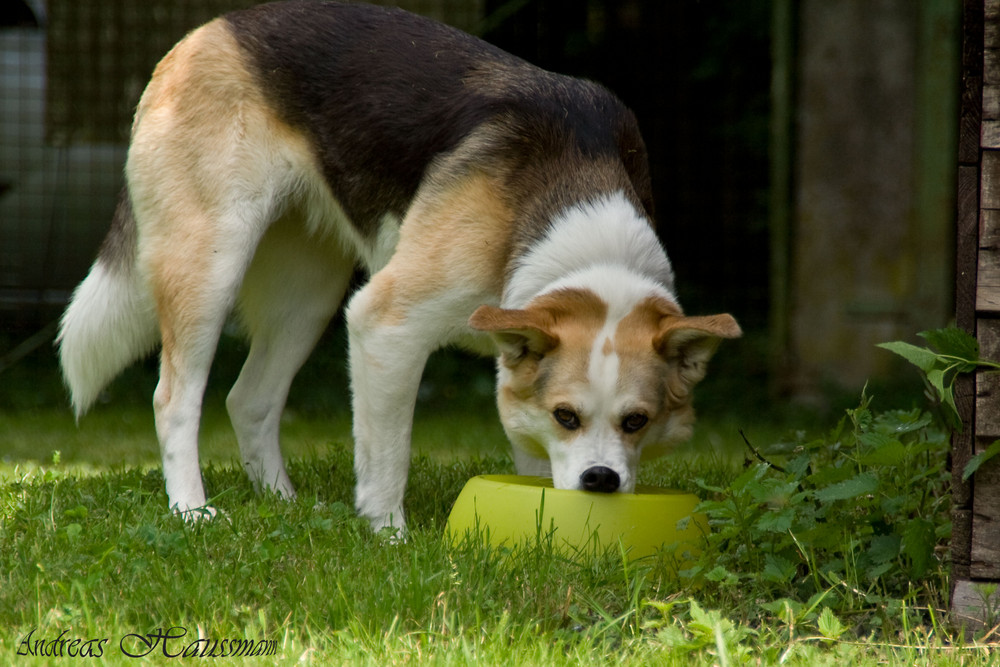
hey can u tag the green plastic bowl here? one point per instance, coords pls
(512, 509)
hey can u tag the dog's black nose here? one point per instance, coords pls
(600, 478)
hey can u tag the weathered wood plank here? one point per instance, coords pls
(988, 263)
(985, 554)
(988, 299)
(990, 180)
(961, 542)
(991, 66)
(967, 247)
(989, 228)
(963, 445)
(988, 279)
(988, 387)
(991, 102)
(972, 37)
(985, 551)
(972, 82)
(971, 607)
(970, 118)
(988, 290)
(990, 134)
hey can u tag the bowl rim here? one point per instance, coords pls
(535, 482)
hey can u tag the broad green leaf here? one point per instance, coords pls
(858, 485)
(666, 609)
(708, 487)
(776, 521)
(829, 475)
(936, 377)
(884, 548)
(979, 459)
(773, 492)
(874, 439)
(673, 637)
(920, 357)
(798, 466)
(862, 417)
(712, 625)
(777, 569)
(877, 570)
(721, 574)
(786, 609)
(891, 453)
(829, 625)
(749, 478)
(953, 342)
(705, 622)
(898, 422)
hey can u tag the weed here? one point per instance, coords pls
(851, 527)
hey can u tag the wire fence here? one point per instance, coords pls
(72, 71)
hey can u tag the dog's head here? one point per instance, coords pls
(596, 388)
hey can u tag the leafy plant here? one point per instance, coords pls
(850, 519)
(853, 525)
(950, 353)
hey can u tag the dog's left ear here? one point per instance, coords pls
(689, 342)
(518, 333)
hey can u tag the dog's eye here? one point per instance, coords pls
(633, 422)
(567, 418)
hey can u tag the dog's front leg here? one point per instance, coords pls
(387, 357)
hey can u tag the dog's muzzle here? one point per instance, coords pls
(600, 478)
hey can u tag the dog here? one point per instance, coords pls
(494, 206)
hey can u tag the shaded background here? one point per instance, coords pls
(803, 156)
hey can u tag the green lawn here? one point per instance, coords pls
(88, 551)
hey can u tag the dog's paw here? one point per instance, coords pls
(196, 514)
(392, 534)
(391, 527)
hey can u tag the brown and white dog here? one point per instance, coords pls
(495, 205)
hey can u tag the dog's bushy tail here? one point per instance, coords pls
(111, 319)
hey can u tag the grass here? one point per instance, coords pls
(96, 556)
(88, 552)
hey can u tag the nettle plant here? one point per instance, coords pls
(857, 520)
(951, 352)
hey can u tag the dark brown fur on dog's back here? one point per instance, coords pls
(382, 91)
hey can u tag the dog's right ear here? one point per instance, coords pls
(519, 334)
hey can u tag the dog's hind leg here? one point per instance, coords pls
(212, 166)
(194, 278)
(294, 285)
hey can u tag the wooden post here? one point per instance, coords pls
(975, 544)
